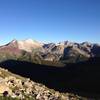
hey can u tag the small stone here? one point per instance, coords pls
(5, 93)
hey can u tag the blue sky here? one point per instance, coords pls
(50, 20)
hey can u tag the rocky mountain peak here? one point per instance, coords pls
(30, 41)
(13, 41)
(29, 44)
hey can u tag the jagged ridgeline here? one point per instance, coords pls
(49, 54)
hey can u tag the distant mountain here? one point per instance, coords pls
(64, 52)
(29, 44)
(10, 50)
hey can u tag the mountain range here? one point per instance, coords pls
(62, 52)
(59, 66)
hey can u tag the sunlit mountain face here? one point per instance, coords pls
(62, 52)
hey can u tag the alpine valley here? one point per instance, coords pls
(54, 71)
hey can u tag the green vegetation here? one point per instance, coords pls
(37, 59)
(8, 98)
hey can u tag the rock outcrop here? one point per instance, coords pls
(15, 86)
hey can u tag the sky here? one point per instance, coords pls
(50, 20)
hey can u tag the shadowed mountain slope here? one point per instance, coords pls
(82, 78)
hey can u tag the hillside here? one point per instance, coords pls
(80, 78)
(15, 87)
(66, 67)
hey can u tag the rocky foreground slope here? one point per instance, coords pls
(16, 87)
